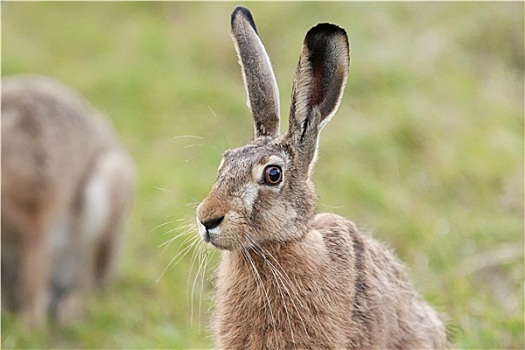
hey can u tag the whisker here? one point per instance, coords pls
(207, 261)
(205, 255)
(222, 129)
(278, 283)
(177, 258)
(161, 189)
(194, 145)
(289, 289)
(279, 268)
(177, 236)
(159, 226)
(281, 277)
(201, 263)
(332, 206)
(249, 259)
(188, 137)
(181, 229)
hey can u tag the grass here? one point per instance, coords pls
(426, 150)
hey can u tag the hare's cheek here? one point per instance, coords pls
(249, 195)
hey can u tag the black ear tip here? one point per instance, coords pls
(241, 9)
(318, 37)
(327, 29)
(245, 13)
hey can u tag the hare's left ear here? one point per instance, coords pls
(259, 80)
(318, 87)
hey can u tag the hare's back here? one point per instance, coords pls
(386, 308)
(46, 114)
(50, 137)
(372, 265)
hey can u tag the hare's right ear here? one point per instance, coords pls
(259, 80)
(318, 87)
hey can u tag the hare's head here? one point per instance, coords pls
(263, 191)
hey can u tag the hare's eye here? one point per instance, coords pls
(272, 175)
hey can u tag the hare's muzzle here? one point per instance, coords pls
(210, 214)
(210, 225)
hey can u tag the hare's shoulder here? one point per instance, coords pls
(339, 234)
(342, 238)
(332, 225)
(337, 230)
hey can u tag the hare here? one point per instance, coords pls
(67, 188)
(289, 278)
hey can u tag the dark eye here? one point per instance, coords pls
(273, 175)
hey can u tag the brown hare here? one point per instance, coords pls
(289, 278)
(67, 188)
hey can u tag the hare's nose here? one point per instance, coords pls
(212, 223)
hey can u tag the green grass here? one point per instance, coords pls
(426, 150)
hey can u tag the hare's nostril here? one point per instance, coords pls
(212, 223)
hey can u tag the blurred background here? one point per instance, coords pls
(426, 150)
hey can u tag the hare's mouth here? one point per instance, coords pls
(206, 233)
(210, 232)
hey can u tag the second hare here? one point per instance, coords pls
(67, 189)
(289, 278)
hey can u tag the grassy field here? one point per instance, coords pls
(426, 150)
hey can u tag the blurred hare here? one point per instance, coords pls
(289, 278)
(67, 187)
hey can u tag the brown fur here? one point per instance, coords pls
(56, 153)
(289, 278)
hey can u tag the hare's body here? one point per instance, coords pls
(334, 288)
(67, 186)
(289, 278)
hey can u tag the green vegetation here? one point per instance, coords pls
(426, 150)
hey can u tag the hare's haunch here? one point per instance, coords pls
(289, 278)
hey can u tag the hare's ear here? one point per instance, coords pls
(318, 87)
(259, 80)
